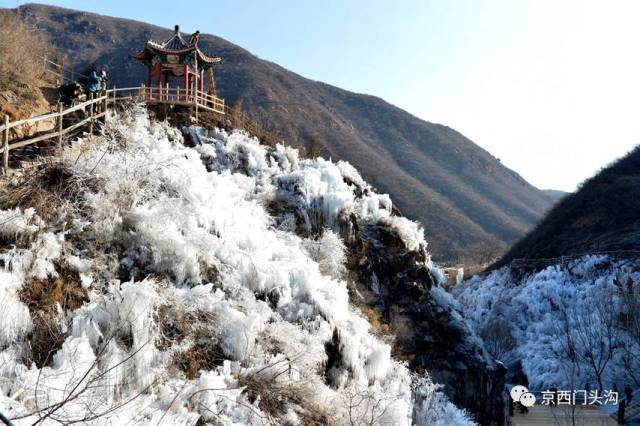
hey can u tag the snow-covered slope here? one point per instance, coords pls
(573, 325)
(162, 290)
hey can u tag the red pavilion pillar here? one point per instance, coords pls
(159, 77)
(186, 83)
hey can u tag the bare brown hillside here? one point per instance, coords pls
(21, 68)
(472, 207)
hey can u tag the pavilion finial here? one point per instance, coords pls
(177, 28)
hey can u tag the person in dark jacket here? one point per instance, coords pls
(69, 93)
(194, 38)
(621, 412)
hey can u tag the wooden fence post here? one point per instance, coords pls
(195, 99)
(105, 105)
(5, 154)
(91, 114)
(60, 125)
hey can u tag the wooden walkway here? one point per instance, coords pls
(541, 415)
(96, 109)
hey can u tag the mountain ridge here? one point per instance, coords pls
(472, 206)
(601, 216)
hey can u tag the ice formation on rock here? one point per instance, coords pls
(200, 304)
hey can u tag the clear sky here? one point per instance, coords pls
(551, 87)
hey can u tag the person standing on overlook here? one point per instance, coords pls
(195, 37)
(94, 84)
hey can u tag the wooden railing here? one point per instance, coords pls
(97, 109)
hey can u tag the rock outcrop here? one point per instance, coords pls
(430, 331)
(393, 275)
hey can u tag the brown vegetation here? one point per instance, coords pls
(42, 188)
(22, 50)
(274, 397)
(21, 65)
(205, 354)
(42, 297)
(177, 324)
(65, 290)
(375, 319)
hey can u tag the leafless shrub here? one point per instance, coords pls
(366, 407)
(81, 386)
(498, 339)
(589, 338)
(629, 292)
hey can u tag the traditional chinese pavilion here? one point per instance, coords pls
(178, 63)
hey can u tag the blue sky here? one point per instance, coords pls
(549, 87)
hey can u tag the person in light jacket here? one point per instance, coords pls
(104, 79)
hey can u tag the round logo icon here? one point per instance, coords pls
(517, 392)
(528, 399)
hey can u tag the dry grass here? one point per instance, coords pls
(275, 397)
(46, 338)
(205, 354)
(177, 324)
(42, 297)
(44, 188)
(21, 52)
(65, 290)
(375, 319)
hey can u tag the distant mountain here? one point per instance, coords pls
(603, 215)
(554, 194)
(470, 204)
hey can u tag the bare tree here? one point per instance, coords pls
(91, 378)
(366, 407)
(498, 339)
(629, 293)
(588, 338)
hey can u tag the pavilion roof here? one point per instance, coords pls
(176, 45)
